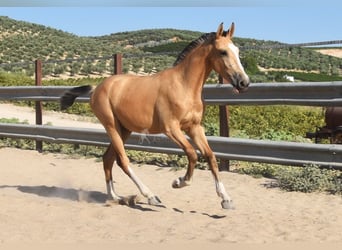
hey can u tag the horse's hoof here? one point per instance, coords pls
(226, 204)
(154, 201)
(180, 182)
(176, 183)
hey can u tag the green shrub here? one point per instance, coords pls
(280, 135)
(336, 184)
(275, 122)
(212, 129)
(12, 120)
(309, 179)
(259, 170)
(18, 79)
(280, 122)
(312, 77)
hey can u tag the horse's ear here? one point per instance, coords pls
(219, 31)
(230, 32)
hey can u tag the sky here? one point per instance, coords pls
(290, 21)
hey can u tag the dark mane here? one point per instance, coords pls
(195, 43)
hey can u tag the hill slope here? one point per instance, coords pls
(37, 41)
(22, 42)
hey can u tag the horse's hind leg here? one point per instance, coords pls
(108, 161)
(109, 158)
(116, 151)
(123, 161)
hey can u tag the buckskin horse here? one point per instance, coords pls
(168, 102)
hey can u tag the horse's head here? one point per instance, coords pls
(226, 61)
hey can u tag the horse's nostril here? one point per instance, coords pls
(241, 81)
(243, 84)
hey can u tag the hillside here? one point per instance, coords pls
(145, 51)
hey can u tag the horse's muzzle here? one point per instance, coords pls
(240, 82)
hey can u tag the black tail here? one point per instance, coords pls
(69, 96)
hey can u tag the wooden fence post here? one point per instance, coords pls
(38, 104)
(117, 64)
(224, 127)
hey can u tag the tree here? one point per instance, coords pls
(250, 65)
(86, 69)
(75, 68)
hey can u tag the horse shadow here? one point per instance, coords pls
(71, 194)
(79, 195)
(63, 193)
(213, 216)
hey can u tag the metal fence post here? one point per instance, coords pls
(224, 127)
(38, 104)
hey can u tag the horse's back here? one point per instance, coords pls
(131, 98)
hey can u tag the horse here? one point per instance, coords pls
(168, 102)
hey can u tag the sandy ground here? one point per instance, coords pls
(331, 52)
(27, 114)
(51, 198)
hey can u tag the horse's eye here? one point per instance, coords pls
(223, 53)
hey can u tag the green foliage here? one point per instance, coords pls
(259, 170)
(289, 123)
(211, 120)
(158, 159)
(17, 143)
(310, 77)
(276, 135)
(37, 41)
(12, 120)
(147, 37)
(310, 179)
(250, 65)
(169, 47)
(305, 179)
(212, 129)
(19, 79)
(275, 122)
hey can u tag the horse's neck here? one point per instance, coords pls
(195, 70)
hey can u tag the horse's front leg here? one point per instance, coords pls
(198, 136)
(178, 137)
